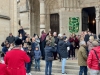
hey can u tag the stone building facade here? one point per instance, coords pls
(34, 15)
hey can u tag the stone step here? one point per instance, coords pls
(43, 73)
(58, 70)
(59, 66)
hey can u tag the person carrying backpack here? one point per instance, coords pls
(93, 60)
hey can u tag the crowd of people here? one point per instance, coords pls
(20, 52)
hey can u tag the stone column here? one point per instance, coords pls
(42, 15)
(97, 20)
(15, 20)
(13, 14)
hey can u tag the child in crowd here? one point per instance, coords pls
(28, 65)
(5, 48)
(25, 47)
(37, 56)
(3, 68)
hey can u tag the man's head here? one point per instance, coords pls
(82, 43)
(33, 39)
(55, 34)
(95, 43)
(10, 34)
(18, 42)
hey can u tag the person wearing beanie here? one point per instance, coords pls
(93, 60)
(82, 58)
(16, 59)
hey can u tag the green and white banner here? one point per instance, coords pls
(73, 24)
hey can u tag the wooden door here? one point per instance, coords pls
(84, 21)
(54, 22)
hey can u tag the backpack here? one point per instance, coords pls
(97, 58)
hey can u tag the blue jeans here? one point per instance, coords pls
(37, 63)
(83, 69)
(63, 64)
(48, 68)
(28, 67)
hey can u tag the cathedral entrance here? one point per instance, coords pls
(88, 19)
(54, 22)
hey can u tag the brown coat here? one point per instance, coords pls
(82, 56)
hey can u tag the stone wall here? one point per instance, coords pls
(64, 20)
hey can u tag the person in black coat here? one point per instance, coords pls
(56, 44)
(21, 31)
(86, 38)
(63, 46)
(49, 57)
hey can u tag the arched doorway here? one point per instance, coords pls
(88, 19)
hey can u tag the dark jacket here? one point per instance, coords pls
(30, 54)
(25, 49)
(62, 45)
(49, 52)
(21, 31)
(33, 45)
(86, 38)
(10, 39)
(56, 40)
(37, 54)
(4, 49)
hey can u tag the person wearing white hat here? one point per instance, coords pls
(82, 58)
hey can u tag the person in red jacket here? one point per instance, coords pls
(93, 62)
(3, 69)
(16, 59)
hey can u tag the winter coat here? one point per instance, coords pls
(21, 31)
(49, 52)
(56, 40)
(10, 39)
(62, 45)
(30, 54)
(86, 38)
(37, 54)
(92, 61)
(38, 43)
(3, 69)
(33, 45)
(82, 56)
(4, 49)
(52, 40)
(15, 61)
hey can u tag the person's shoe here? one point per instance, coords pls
(29, 74)
(35, 69)
(64, 73)
(26, 73)
(39, 70)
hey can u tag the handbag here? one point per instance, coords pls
(50, 58)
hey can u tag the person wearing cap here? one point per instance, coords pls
(82, 58)
(92, 61)
(16, 59)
